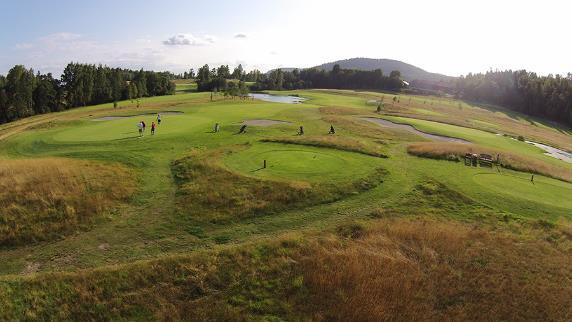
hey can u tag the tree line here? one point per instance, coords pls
(24, 93)
(337, 78)
(217, 79)
(548, 97)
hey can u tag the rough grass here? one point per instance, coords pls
(457, 151)
(413, 270)
(37, 203)
(209, 191)
(426, 270)
(342, 118)
(334, 142)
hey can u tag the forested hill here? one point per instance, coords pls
(408, 71)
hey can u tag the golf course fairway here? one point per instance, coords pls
(194, 215)
(542, 190)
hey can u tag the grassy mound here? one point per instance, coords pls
(335, 142)
(287, 162)
(406, 268)
(37, 204)
(457, 151)
(210, 191)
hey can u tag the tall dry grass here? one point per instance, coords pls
(456, 151)
(435, 271)
(334, 142)
(342, 119)
(45, 198)
(398, 269)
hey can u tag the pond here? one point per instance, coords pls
(553, 152)
(409, 128)
(287, 99)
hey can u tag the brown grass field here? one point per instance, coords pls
(36, 203)
(435, 271)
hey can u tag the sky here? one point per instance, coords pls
(448, 37)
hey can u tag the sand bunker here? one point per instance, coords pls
(277, 98)
(264, 122)
(409, 128)
(120, 117)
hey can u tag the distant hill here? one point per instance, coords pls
(408, 71)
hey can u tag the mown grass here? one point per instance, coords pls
(334, 142)
(457, 151)
(412, 269)
(209, 192)
(42, 199)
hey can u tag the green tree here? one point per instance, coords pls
(238, 72)
(45, 94)
(20, 85)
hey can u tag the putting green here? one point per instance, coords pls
(125, 128)
(543, 190)
(301, 163)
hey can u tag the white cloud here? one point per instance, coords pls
(24, 45)
(61, 37)
(240, 36)
(189, 40)
(55, 40)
